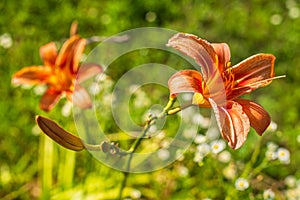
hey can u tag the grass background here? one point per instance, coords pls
(248, 27)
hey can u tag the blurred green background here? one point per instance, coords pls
(248, 27)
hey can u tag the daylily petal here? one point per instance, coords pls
(48, 53)
(233, 123)
(200, 50)
(185, 81)
(59, 135)
(49, 99)
(256, 71)
(69, 55)
(80, 97)
(73, 29)
(87, 71)
(259, 118)
(32, 75)
(223, 52)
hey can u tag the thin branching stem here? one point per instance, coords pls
(168, 110)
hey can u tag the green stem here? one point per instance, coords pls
(166, 111)
(47, 164)
(253, 160)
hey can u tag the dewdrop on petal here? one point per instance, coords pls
(241, 184)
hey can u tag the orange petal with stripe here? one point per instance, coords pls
(185, 81)
(49, 99)
(258, 116)
(198, 49)
(233, 123)
(32, 75)
(48, 53)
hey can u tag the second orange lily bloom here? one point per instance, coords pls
(219, 85)
(59, 72)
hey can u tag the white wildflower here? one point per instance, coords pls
(283, 155)
(136, 194)
(268, 194)
(203, 149)
(224, 156)
(6, 41)
(290, 181)
(163, 154)
(217, 146)
(199, 139)
(182, 171)
(241, 184)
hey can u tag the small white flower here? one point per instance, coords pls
(213, 133)
(276, 19)
(268, 194)
(217, 146)
(203, 122)
(94, 88)
(273, 126)
(39, 89)
(294, 12)
(272, 146)
(136, 194)
(203, 149)
(230, 171)
(66, 109)
(283, 155)
(198, 157)
(298, 138)
(36, 130)
(199, 139)
(224, 156)
(271, 155)
(290, 181)
(241, 184)
(182, 171)
(163, 154)
(6, 41)
(150, 16)
(190, 133)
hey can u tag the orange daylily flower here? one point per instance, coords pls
(220, 84)
(59, 72)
